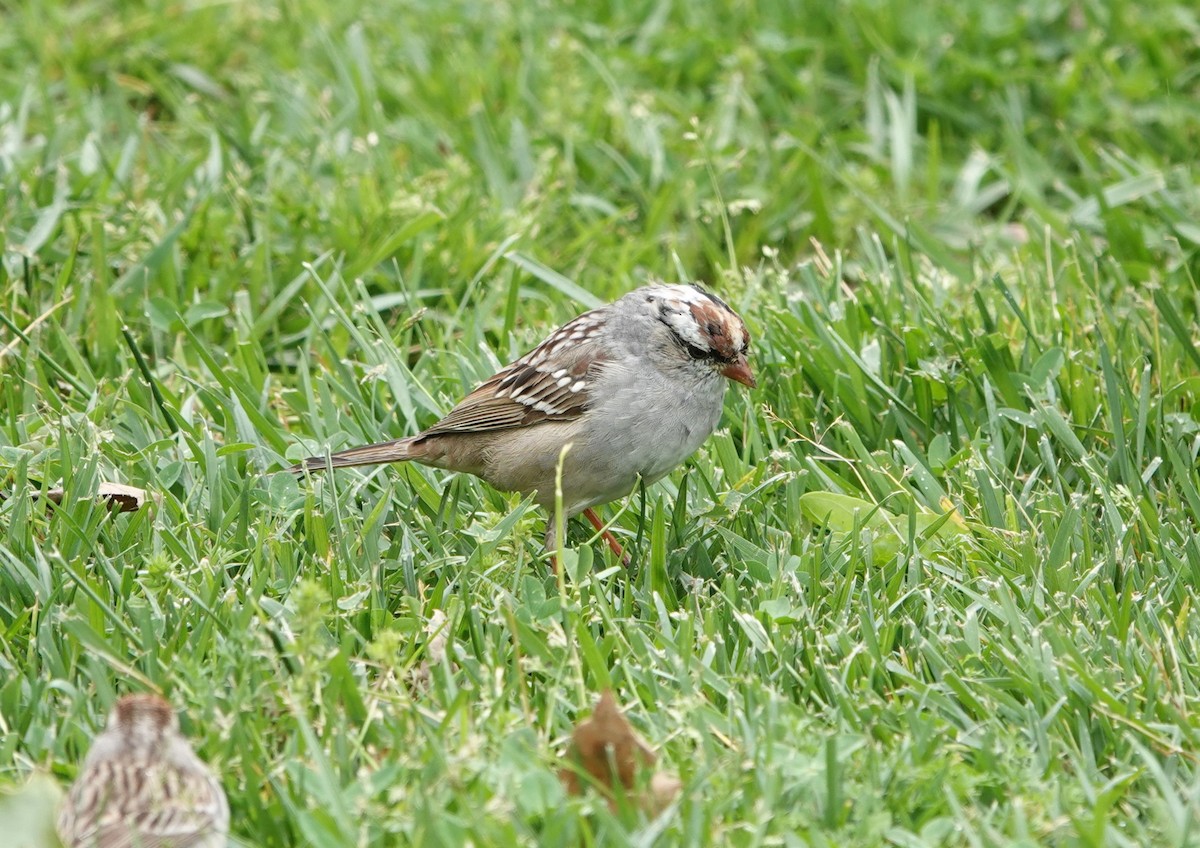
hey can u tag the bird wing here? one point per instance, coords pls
(552, 382)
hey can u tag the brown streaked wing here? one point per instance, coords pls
(550, 383)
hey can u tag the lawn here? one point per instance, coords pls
(932, 583)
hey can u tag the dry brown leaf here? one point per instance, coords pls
(118, 497)
(606, 740)
(607, 748)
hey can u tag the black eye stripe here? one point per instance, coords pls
(713, 329)
(695, 352)
(711, 296)
(692, 351)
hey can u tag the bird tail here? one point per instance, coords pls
(398, 450)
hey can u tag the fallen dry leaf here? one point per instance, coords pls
(606, 747)
(118, 497)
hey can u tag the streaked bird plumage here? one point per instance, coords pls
(142, 786)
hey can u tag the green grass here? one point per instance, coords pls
(964, 236)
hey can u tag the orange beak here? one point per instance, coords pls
(739, 371)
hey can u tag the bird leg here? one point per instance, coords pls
(590, 515)
(613, 544)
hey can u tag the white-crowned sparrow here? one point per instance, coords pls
(142, 785)
(634, 387)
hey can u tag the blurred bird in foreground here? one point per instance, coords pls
(142, 786)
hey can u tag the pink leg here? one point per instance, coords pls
(613, 544)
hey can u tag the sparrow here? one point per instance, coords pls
(633, 388)
(142, 786)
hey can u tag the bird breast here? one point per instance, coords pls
(641, 425)
(647, 427)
